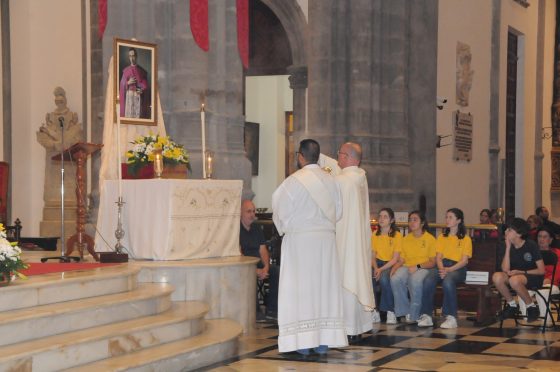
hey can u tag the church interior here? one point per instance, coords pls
(456, 104)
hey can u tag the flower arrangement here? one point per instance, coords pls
(143, 148)
(10, 260)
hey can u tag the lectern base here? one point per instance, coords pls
(106, 257)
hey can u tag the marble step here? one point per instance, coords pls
(52, 319)
(182, 320)
(72, 285)
(218, 342)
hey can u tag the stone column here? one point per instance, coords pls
(367, 83)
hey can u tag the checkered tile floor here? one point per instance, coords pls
(408, 347)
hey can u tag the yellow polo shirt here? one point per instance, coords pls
(453, 248)
(418, 250)
(385, 246)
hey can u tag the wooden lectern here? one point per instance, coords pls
(79, 153)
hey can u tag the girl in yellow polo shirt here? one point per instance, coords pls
(453, 250)
(386, 246)
(417, 257)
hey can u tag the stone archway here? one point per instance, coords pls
(295, 24)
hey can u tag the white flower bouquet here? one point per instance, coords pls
(10, 259)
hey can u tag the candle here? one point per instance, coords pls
(209, 173)
(119, 170)
(203, 131)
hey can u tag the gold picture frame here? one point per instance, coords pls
(135, 82)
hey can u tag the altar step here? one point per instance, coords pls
(72, 349)
(61, 317)
(218, 342)
(71, 285)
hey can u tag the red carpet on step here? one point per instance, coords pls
(55, 267)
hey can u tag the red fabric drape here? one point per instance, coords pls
(199, 23)
(102, 17)
(243, 31)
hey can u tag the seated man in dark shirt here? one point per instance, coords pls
(522, 269)
(252, 243)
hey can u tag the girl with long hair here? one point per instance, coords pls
(408, 274)
(453, 250)
(386, 246)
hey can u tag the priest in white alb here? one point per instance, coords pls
(306, 207)
(353, 241)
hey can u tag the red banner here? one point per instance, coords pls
(102, 17)
(243, 31)
(199, 23)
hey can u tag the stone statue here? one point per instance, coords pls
(464, 74)
(50, 137)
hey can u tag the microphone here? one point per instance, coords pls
(61, 121)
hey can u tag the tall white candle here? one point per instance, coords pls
(119, 170)
(203, 131)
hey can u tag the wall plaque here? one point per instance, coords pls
(462, 134)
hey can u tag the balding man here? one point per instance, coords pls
(252, 243)
(353, 241)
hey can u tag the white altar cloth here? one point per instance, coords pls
(167, 219)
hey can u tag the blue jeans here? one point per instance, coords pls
(449, 286)
(403, 283)
(387, 302)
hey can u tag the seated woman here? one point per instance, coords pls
(522, 268)
(534, 222)
(418, 255)
(453, 250)
(545, 237)
(480, 234)
(386, 246)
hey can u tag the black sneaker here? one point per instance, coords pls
(509, 312)
(533, 313)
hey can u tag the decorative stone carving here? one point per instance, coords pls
(298, 77)
(50, 136)
(464, 74)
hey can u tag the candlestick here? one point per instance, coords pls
(119, 170)
(203, 131)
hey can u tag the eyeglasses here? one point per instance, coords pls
(296, 153)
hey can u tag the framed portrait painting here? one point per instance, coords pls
(135, 82)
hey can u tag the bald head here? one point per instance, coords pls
(349, 154)
(247, 213)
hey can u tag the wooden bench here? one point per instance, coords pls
(479, 298)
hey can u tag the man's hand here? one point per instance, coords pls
(443, 272)
(131, 80)
(377, 274)
(515, 272)
(262, 274)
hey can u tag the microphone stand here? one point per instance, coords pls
(63, 258)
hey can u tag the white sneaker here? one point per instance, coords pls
(409, 320)
(425, 321)
(375, 317)
(450, 322)
(391, 318)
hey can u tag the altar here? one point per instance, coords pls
(167, 219)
